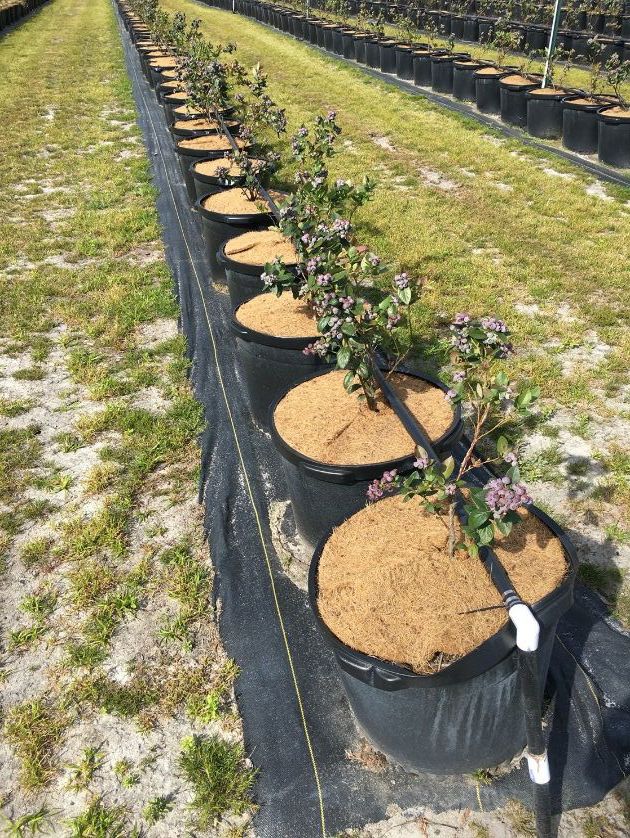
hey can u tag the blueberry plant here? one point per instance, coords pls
(258, 114)
(478, 346)
(334, 273)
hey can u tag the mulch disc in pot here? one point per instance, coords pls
(323, 422)
(283, 317)
(388, 588)
(258, 247)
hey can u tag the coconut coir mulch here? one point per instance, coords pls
(387, 586)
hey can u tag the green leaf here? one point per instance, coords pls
(349, 329)
(404, 295)
(477, 518)
(343, 357)
(502, 446)
(504, 527)
(449, 467)
(485, 535)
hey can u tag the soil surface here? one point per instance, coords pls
(260, 246)
(209, 142)
(284, 317)
(388, 587)
(320, 420)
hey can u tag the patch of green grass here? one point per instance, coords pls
(68, 442)
(156, 809)
(82, 772)
(36, 553)
(603, 579)
(33, 730)
(218, 776)
(15, 407)
(187, 581)
(39, 606)
(20, 450)
(614, 532)
(30, 374)
(598, 826)
(127, 776)
(28, 825)
(99, 821)
(520, 818)
(543, 466)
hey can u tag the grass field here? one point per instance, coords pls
(117, 708)
(118, 715)
(495, 228)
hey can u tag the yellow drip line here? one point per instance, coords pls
(250, 493)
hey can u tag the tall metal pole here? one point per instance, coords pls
(552, 39)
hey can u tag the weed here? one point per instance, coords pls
(483, 777)
(31, 824)
(220, 780)
(156, 809)
(82, 772)
(33, 729)
(99, 821)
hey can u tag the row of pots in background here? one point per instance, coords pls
(526, 38)
(474, 21)
(12, 12)
(587, 125)
(457, 718)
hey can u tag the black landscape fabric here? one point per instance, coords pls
(266, 624)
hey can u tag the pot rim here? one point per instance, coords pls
(362, 471)
(488, 654)
(226, 218)
(249, 269)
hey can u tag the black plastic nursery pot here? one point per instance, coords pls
(580, 125)
(243, 279)
(487, 92)
(544, 112)
(187, 156)
(208, 184)
(219, 227)
(442, 73)
(360, 48)
(321, 494)
(387, 55)
(347, 37)
(404, 62)
(373, 53)
(271, 366)
(464, 87)
(422, 66)
(463, 718)
(613, 146)
(513, 99)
